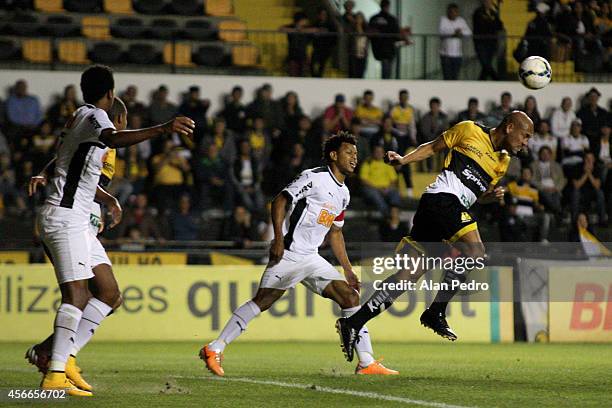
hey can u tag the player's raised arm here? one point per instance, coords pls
(422, 152)
(123, 138)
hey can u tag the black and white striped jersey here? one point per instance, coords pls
(79, 160)
(318, 200)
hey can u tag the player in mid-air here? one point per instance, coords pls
(63, 221)
(477, 159)
(309, 208)
(106, 296)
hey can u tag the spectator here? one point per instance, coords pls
(512, 227)
(369, 115)
(349, 16)
(240, 228)
(338, 116)
(543, 138)
(43, 144)
(246, 180)
(530, 107)
(363, 144)
(139, 216)
(323, 43)
(404, 122)
(379, 182)
(10, 195)
(213, 186)
(161, 109)
(548, 179)
(452, 29)
(134, 107)
(261, 143)
(311, 138)
(136, 121)
(62, 110)
(235, 113)
(386, 33)
(592, 116)
(603, 153)
(170, 170)
(184, 223)
(487, 29)
(529, 207)
(130, 174)
(392, 229)
(386, 136)
(574, 147)
(499, 112)
(224, 140)
(587, 189)
(195, 108)
(581, 232)
(265, 107)
(471, 113)
(539, 33)
(22, 110)
(562, 118)
(298, 38)
(292, 111)
(433, 123)
(358, 47)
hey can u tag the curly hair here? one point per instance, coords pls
(335, 141)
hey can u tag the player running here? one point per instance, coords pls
(63, 221)
(303, 213)
(478, 158)
(103, 286)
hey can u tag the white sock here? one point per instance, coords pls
(94, 313)
(363, 347)
(235, 325)
(64, 333)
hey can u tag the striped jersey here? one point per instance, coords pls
(472, 163)
(79, 160)
(318, 200)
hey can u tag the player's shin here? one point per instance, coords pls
(93, 315)
(235, 325)
(363, 346)
(64, 333)
(448, 292)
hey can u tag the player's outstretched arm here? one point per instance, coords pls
(336, 242)
(123, 138)
(102, 196)
(422, 152)
(279, 210)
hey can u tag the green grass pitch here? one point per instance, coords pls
(295, 375)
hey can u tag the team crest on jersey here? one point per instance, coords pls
(465, 217)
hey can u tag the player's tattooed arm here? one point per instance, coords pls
(422, 152)
(336, 242)
(279, 210)
(181, 124)
(112, 204)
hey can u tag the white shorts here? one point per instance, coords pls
(67, 240)
(98, 253)
(312, 271)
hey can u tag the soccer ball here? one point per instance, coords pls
(535, 72)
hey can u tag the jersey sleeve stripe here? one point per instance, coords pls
(294, 219)
(75, 168)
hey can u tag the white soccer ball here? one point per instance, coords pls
(535, 72)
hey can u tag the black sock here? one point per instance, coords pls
(445, 295)
(376, 304)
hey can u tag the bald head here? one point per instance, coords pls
(118, 114)
(514, 131)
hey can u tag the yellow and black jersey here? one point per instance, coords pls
(108, 167)
(471, 165)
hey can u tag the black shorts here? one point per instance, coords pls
(441, 217)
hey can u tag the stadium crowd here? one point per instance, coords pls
(245, 153)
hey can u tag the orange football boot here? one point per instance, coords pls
(376, 368)
(213, 361)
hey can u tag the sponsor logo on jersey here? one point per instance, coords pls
(94, 122)
(470, 176)
(305, 188)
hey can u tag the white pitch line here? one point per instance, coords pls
(312, 387)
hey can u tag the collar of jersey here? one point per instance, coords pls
(334, 177)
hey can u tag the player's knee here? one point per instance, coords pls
(77, 296)
(348, 298)
(118, 302)
(111, 297)
(264, 300)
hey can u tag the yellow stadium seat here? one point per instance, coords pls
(244, 55)
(72, 52)
(49, 6)
(232, 30)
(179, 56)
(96, 27)
(37, 51)
(218, 8)
(118, 6)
